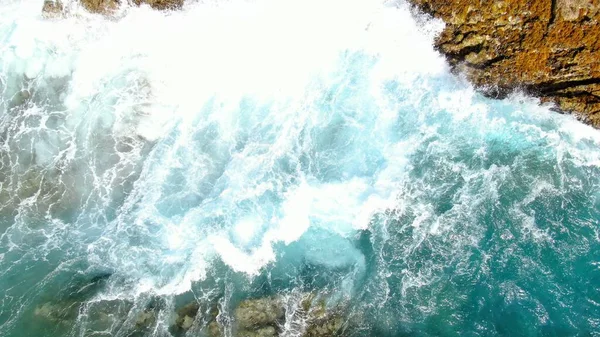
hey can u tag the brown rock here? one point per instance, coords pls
(321, 321)
(325, 327)
(214, 329)
(263, 317)
(52, 9)
(101, 6)
(186, 315)
(161, 4)
(266, 331)
(550, 49)
(259, 312)
(109, 6)
(145, 319)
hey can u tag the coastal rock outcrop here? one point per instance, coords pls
(549, 49)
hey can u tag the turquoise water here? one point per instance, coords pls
(243, 149)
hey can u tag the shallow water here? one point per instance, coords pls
(237, 149)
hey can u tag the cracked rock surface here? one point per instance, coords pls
(548, 48)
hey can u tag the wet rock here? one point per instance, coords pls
(320, 320)
(110, 6)
(259, 312)
(35, 193)
(161, 4)
(71, 299)
(267, 331)
(214, 329)
(52, 9)
(264, 317)
(547, 48)
(101, 6)
(186, 323)
(145, 319)
(103, 317)
(57, 312)
(330, 326)
(186, 315)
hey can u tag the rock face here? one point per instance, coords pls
(548, 48)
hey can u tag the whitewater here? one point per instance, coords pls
(242, 149)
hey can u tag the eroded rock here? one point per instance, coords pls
(266, 331)
(52, 9)
(101, 6)
(161, 4)
(321, 321)
(266, 317)
(108, 6)
(550, 49)
(259, 312)
(55, 8)
(145, 319)
(186, 315)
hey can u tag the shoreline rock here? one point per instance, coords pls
(264, 317)
(52, 9)
(307, 314)
(549, 49)
(55, 8)
(108, 6)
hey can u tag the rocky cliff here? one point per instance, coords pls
(548, 48)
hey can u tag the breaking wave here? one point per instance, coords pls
(236, 149)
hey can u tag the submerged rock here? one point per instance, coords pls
(186, 315)
(261, 317)
(57, 312)
(145, 319)
(259, 312)
(214, 329)
(266, 331)
(321, 321)
(266, 317)
(547, 48)
(35, 194)
(71, 299)
(330, 326)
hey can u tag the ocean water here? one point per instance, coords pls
(239, 149)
